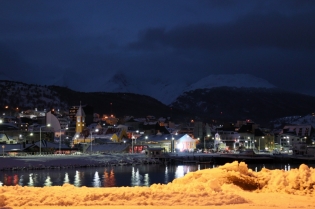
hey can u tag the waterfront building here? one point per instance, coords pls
(170, 142)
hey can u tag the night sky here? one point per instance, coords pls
(43, 40)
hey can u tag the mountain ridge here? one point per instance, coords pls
(214, 105)
(165, 89)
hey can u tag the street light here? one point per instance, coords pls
(3, 150)
(96, 130)
(134, 138)
(60, 141)
(29, 137)
(173, 147)
(259, 142)
(40, 138)
(204, 142)
(250, 142)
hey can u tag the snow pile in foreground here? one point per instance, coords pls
(219, 186)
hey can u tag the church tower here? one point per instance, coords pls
(80, 120)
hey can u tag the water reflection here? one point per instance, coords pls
(30, 181)
(140, 175)
(77, 180)
(96, 180)
(179, 171)
(66, 179)
(146, 180)
(166, 175)
(109, 178)
(21, 180)
(48, 182)
(138, 179)
(135, 177)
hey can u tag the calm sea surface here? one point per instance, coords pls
(141, 175)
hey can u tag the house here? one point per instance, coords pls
(154, 152)
(46, 147)
(292, 134)
(10, 149)
(43, 147)
(251, 136)
(105, 138)
(108, 148)
(6, 140)
(154, 127)
(134, 124)
(170, 142)
(229, 136)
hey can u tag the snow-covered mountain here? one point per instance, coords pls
(164, 89)
(167, 90)
(306, 119)
(236, 80)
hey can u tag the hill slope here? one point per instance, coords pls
(231, 104)
(29, 96)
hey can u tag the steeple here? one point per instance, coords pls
(80, 120)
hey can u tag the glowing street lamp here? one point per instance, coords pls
(204, 142)
(133, 138)
(29, 137)
(259, 142)
(96, 130)
(173, 148)
(60, 141)
(40, 138)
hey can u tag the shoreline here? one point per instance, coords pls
(69, 161)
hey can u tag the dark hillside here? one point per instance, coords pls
(119, 104)
(232, 104)
(18, 96)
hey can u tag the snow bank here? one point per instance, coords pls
(219, 186)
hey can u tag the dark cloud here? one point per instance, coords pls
(251, 31)
(261, 5)
(30, 29)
